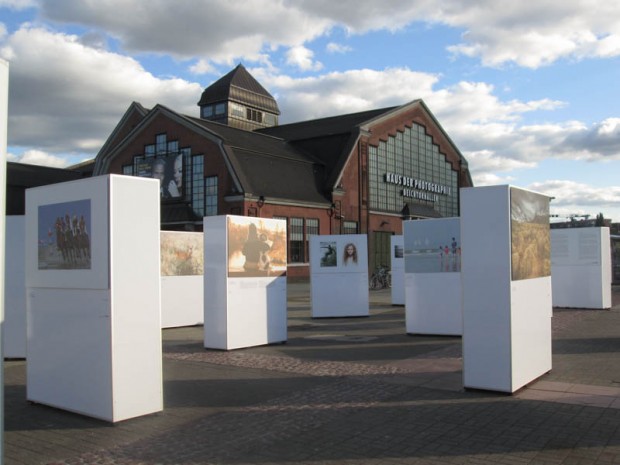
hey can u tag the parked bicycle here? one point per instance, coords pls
(381, 278)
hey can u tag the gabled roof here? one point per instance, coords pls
(323, 127)
(239, 86)
(330, 139)
(299, 162)
(135, 113)
(259, 164)
(270, 166)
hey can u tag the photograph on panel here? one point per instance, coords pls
(256, 247)
(433, 247)
(181, 253)
(530, 236)
(329, 253)
(64, 236)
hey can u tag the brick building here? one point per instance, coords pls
(355, 173)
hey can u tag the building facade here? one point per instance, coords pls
(355, 173)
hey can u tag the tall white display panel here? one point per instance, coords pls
(506, 278)
(93, 297)
(14, 340)
(244, 282)
(433, 277)
(397, 254)
(182, 295)
(4, 110)
(581, 267)
(339, 276)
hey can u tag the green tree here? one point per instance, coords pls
(600, 220)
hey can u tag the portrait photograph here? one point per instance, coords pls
(350, 255)
(168, 169)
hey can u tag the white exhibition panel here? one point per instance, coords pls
(531, 330)
(182, 301)
(182, 277)
(14, 335)
(256, 312)
(581, 267)
(506, 321)
(433, 303)
(339, 276)
(243, 308)
(98, 351)
(42, 205)
(68, 339)
(397, 247)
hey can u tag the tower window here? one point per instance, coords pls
(254, 115)
(207, 111)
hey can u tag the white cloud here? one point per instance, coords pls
(490, 179)
(525, 33)
(38, 157)
(333, 47)
(65, 96)
(202, 67)
(350, 91)
(17, 4)
(490, 132)
(572, 197)
(219, 30)
(303, 58)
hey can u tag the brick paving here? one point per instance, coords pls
(345, 391)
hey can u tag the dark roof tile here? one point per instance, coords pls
(239, 86)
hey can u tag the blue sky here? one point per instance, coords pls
(528, 91)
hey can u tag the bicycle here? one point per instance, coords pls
(381, 278)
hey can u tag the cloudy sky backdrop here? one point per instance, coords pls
(528, 91)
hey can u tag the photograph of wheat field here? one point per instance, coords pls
(530, 236)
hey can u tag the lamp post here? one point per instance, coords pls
(330, 211)
(260, 203)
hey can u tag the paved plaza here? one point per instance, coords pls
(345, 391)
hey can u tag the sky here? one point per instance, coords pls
(528, 91)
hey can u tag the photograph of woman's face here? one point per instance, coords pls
(350, 254)
(178, 171)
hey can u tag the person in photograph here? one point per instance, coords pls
(175, 186)
(264, 262)
(329, 257)
(253, 249)
(350, 253)
(158, 171)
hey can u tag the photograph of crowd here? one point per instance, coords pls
(63, 236)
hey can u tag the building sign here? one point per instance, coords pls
(417, 188)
